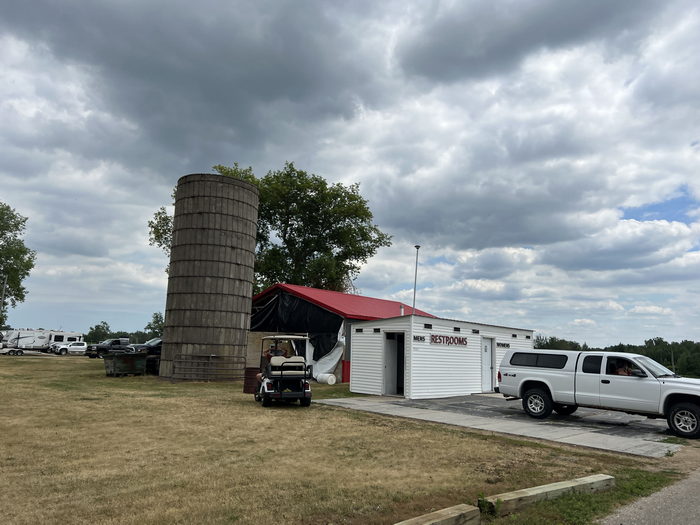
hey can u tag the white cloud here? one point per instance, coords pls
(651, 310)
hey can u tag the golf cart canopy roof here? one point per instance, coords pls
(297, 337)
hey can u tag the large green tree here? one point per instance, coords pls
(310, 232)
(16, 260)
(99, 332)
(155, 327)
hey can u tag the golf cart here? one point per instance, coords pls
(284, 374)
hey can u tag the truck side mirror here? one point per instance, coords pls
(636, 372)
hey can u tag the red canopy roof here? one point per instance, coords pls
(344, 304)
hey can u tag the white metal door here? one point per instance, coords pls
(487, 367)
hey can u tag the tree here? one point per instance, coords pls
(99, 332)
(556, 343)
(309, 232)
(155, 327)
(17, 260)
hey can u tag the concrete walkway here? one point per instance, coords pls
(571, 434)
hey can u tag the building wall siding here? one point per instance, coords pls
(367, 363)
(431, 370)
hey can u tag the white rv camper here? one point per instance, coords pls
(38, 339)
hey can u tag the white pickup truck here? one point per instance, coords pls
(563, 380)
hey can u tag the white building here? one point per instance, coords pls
(422, 357)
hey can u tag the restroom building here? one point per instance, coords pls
(419, 357)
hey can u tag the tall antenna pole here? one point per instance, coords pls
(415, 280)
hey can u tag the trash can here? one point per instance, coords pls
(250, 380)
(121, 364)
(153, 365)
(345, 378)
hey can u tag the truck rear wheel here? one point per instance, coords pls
(684, 420)
(537, 403)
(565, 410)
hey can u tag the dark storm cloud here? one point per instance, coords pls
(630, 244)
(198, 79)
(482, 38)
(493, 209)
(504, 137)
(682, 270)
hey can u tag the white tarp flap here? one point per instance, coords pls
(329, 362)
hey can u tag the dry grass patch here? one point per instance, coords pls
(79, 447)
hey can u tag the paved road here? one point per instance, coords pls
(600, 429)
(676, 504)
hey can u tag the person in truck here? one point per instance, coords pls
(624, 369)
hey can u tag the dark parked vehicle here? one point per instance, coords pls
(152, 350)
(151, 347)
(106, 346)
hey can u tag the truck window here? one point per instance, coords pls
(591, 364)
(620, 367)
(551, 360)
(523, 359)
(539, 360)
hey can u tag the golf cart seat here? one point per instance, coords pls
(294, 366)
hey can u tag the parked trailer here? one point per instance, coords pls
(39, 339)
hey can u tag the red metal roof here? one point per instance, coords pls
(346, 305)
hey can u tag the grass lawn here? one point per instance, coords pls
(79, 447)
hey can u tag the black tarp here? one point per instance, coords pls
(286, 313)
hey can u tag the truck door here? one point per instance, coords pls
(628, 392)
(588, 380)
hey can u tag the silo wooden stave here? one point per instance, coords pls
(210, 282)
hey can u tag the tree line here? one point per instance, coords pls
(102, 331)
(682, 357)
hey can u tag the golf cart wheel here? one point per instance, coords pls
(305, 401)
(684, 420)
(266, 401)
(257, 397)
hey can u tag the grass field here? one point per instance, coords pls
(79, 447)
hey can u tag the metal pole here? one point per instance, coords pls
(415, 280)
(673, 363)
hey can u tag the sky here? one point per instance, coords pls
(543, 154)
